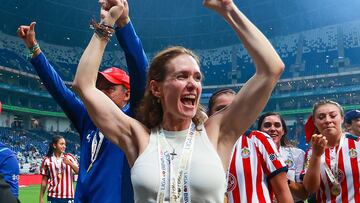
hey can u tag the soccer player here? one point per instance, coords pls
(104, 174)
(256, 172)
(332, 168)
(274, 125)
(57, 170)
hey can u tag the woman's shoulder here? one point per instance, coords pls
(46, 160)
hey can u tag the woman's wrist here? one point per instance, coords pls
(122, 22)
(102, 30)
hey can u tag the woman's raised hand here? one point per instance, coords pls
(111, 10)
(218, 5)
(319, 144)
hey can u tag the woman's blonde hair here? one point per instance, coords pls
(326, 101)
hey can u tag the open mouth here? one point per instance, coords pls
(188, 100)
(273, 135)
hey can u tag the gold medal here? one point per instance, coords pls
(59, 176)
(336, 189)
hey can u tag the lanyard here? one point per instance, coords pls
(179, 180)
(95, 148)
(333, 175)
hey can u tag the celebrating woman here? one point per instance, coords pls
(174, 155)
(57, 170)
(333, 164)
(255, 172)
(274, 125)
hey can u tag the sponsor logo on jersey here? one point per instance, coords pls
(88, 137)
(273, 157)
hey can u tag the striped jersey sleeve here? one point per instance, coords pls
(254, 161)
(270, 155)
(44, 170)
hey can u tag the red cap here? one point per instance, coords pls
(310, 129)
(115, 76)
(0, 106)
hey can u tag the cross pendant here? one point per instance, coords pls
(173, 153)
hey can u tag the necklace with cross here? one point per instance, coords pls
(173, 154)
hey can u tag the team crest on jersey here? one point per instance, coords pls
(245, 152)
(232, 182)
(353, 153)
(289, 163)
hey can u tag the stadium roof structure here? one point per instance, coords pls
(161, 23)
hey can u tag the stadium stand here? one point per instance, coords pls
(320, 63)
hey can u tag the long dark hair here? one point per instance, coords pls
(284, 139)
(150, 111)
(55, 140)
(215, 95)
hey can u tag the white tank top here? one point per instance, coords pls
(207, 175)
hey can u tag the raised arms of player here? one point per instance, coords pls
(72, 106)
(254, 95)
(115, 125)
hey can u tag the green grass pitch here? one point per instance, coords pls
(30, 194)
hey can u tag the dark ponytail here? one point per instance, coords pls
(54, 140)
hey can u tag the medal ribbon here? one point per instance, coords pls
(58, 165)
(333, 175)
(95, 148)
(180, 181)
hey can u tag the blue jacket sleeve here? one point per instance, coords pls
(137, 63)
(66, 99)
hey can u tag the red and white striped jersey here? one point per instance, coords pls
(60, 176)
(348, 171)
(255, 160)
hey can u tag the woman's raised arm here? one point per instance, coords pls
(254, 95)
(113, 123)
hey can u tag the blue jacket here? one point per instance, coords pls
(108, 181)
(9, 168)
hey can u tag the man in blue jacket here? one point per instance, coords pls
(104, 174)
(9, 168)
